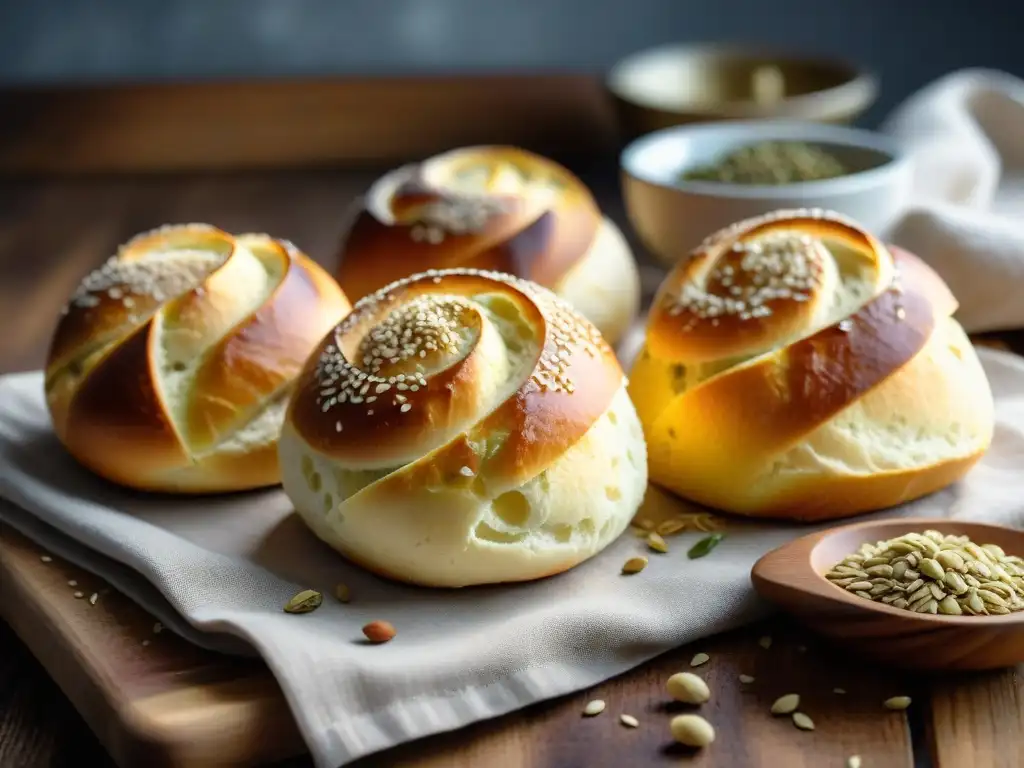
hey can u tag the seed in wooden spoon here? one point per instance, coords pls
(746, 679)
(688, 688)
(802, 721)
(897, 702)
(379, 631)
(629, 721)
(634, 565)
(786, 705)
(698, 659)
(595, 707)
(692, 730)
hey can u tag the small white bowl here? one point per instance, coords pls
(672, 217)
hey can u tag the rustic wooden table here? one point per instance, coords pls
(52, 231)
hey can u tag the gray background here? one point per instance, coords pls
(908, 42)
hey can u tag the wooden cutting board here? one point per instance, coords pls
(152, 698)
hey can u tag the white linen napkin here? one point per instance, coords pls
(218, 570)
(965, 133)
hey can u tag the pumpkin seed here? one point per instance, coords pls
(655, 542)
(802, 721)
(305, 601)
(785, 705)
(669, 527)
(949, 606)
(634, 565)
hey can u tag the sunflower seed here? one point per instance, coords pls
(949, 606)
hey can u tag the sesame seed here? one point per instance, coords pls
(776, 266)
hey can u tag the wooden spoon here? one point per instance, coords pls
(792, 576)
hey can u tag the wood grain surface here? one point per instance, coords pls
(295, 123)
(52, 231)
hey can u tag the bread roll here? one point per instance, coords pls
(464, 427)
(172, 364)
(494, 208)
(796, 367)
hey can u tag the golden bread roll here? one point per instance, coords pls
(171, 366)
(464, 427)
(494, 208)
(796, 367)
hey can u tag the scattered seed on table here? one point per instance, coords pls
(688, 688)
(595, 707)
(765, 642)
(786, 705)
(629, 721)
(634, 565)
(46, 558)
(158, 628)
(692, 730)
(698, 659)
(840, 691)
(897, 702)
(78, 595)
(145, 642)
(802, 721)
(72, 583)
(746, 679)
(656, 543)
(93, 598)
(853, 761)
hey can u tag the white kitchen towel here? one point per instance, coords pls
(965, 217)
(223, 567)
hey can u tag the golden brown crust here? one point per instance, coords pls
(185, 302)
(536, 226)
(441, 401)
(725, 406)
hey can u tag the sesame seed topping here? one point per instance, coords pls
(784, 266)
(439, 326)
(159, 274)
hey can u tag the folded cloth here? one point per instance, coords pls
(219, 570)
(965, 216)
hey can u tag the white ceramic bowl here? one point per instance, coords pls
(671, 217)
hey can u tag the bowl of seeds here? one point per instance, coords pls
(681, 183)
(911, 593)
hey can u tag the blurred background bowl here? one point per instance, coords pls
(676, 84)
(672, 216)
